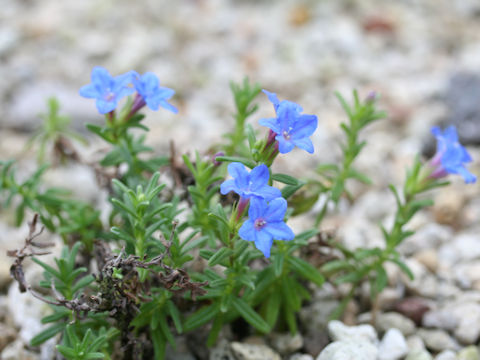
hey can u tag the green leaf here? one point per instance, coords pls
(381, 279)
(248, 163)
(285, 179)
(278, 264)
(219, 256)
(250, 315)
(404, 268)
(289, 190)
(201, 317)
(175, 315)
(359, 176)
(336, 265)
(306, 270)
(47, 334)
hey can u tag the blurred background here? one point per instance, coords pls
(423, 57)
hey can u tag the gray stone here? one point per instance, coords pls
(419, 355)
(286, 343)
(7, 335)
(446, 355)
(221, 351)
(462, 99)
(301, 357)
(16, 351)
(316, 315)
(253, 352)
(429, 236)
(349, 350)
(437, 340)
(340, 332)
(393, 346)
(415, 342)
(395, 320)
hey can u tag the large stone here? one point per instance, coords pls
(286, 343)
(446, 355)
(393, 346)
(361, 333)
(243, 351)
(419, 355)
(469, 353)
(395, 320)
(349, 350)
(437, 340)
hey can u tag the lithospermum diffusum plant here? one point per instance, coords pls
(211, 247)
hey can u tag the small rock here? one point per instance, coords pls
(428, 258)
(393, 346)
(253, 352)
(415, 342)
(446, 355)
(349, 350)
(462, 99)
(286, 343)
(7, 335)
(419, 355)
(340, 332)
(16, 351)
(221, 351)
(395, 320)
(437, 340)
(469, 353)
(413, 308)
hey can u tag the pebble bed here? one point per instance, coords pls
(422, 57)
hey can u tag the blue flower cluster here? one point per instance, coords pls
(290, 126)
(267, 207)
(108, 90)
(450, 156)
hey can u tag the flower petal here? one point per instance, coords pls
(227, 186)
(271, 123)
(264, 242)
(259, 176)
(280, 231)
(273, 98)
(257, 208)
(89, 91)
(269, 192)
(304, 144)
(247, 231)
(305, 125)
(276, 210)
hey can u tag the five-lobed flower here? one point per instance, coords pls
(151, 93)
(290, 126)
(108, 90)
(450, 156)
(249, 184)
(265, 223)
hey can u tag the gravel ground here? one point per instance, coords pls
(423, 57)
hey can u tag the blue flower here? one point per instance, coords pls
(450, 156)
(148, 86)
(249, 184)
(290, 126)
(108, 90)
(265, 223)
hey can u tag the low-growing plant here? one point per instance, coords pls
(212, 246)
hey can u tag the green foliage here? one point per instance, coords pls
(55, 127)
(135, 275)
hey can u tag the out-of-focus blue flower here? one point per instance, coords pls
(291, 128)
(249, 184)
(265, 223)
(450, 156)
(154, 95)
(108, 90)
